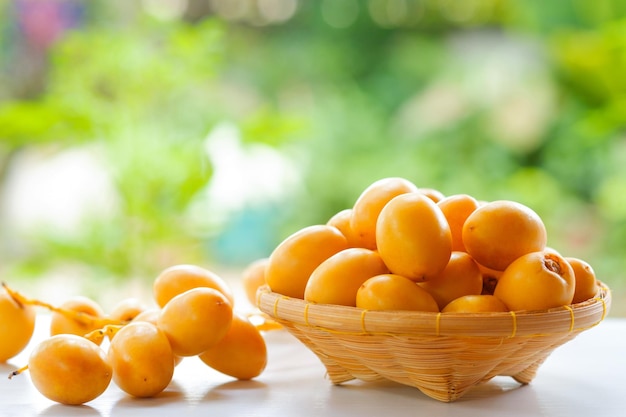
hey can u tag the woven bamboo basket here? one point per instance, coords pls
(442, 354)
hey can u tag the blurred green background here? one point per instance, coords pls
(138, 135)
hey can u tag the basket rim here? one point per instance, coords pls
(357, 321)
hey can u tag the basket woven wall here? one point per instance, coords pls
(441, 354)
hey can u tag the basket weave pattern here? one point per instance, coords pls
(441, 354)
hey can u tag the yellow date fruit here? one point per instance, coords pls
(499, 232)
(195, 320)
(586, 284)
(17, 324)
(394, 292)
(457, 208)
(242, 353)
(294, 259)
(142, 359)
(337, 279)
(537, 281)
(483, 303)
(253, 277)
(342, 221)
(368, 205)
(460, 277)
(413, 237)
(179, 278)
(64, 324)
(69, 369)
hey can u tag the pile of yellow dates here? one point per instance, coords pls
(401, 247)
(194, 316)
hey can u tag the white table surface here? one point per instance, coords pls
(584, 377)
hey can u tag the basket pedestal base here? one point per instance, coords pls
(447, 393)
